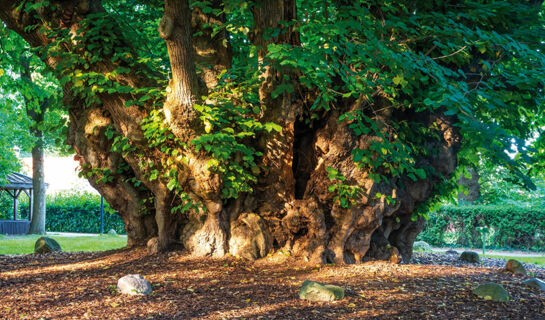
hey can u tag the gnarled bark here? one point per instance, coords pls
(292, 208)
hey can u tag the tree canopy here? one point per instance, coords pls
(21, 97)
(325, 128)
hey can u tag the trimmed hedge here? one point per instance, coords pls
(510, 226)
(74, 212)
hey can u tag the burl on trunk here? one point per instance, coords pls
(291, 207)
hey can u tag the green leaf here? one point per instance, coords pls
(420, 173)
(270, 126)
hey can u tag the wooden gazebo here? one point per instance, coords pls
(17, 183)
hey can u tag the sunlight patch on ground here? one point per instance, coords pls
(25, 244)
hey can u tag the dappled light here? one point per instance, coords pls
(84, 286)
(272, 159)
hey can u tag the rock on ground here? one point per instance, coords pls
(535, 283)
(491, 291)
(315, 291)
(470, 256)
(452, 252)
(452, 260)
(134, 284)
(421, 246)
(46, 245)
(515, 267)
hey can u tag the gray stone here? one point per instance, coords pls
(491, 291)
(470, 256)
(535, 283)
(315, 291)
(452, 252)
(421, 246)
(515, 267)
(112, 232)
(134, 284)
(46, 245)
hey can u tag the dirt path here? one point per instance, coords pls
(82, 286)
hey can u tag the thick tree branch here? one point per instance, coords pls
(175, 29)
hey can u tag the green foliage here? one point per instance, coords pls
(383, 66)
(393, 153)
(6, 206)
(79, 212)
(68, 212)
(476, 62)
(31, 103)
(346, 195)
(159, 136)
(230, 123)
(498, 187)
(510, 226)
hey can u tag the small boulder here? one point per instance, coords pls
(491, 291)
(535, 283)
(515, 267)
(421, 246)
(315, 291)
(134, 284)
(112, 232)
(470, 256)
(46, 245)
(452, 252)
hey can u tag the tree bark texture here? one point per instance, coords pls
(291, 209)
(37, 225)
(36, 114)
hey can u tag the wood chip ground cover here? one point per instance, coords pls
(82, 286)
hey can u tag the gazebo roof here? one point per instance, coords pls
(17, 181)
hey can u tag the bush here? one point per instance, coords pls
(80, 212)
(69, 212)
(511, 226)
(6, 206)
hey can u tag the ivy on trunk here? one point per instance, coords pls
(320, 128)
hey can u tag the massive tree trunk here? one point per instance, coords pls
(292, 208)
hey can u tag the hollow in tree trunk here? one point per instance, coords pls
(170, 193)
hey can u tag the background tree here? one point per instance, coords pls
(8, 133)
(317, 127)
(32, 94)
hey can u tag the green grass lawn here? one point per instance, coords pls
(25, 244)
(534, 260)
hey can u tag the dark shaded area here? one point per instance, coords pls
(304, 160)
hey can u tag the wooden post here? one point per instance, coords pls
(15, 194)
(29, 205)
(101, 214)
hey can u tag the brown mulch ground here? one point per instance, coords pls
(82, 286)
